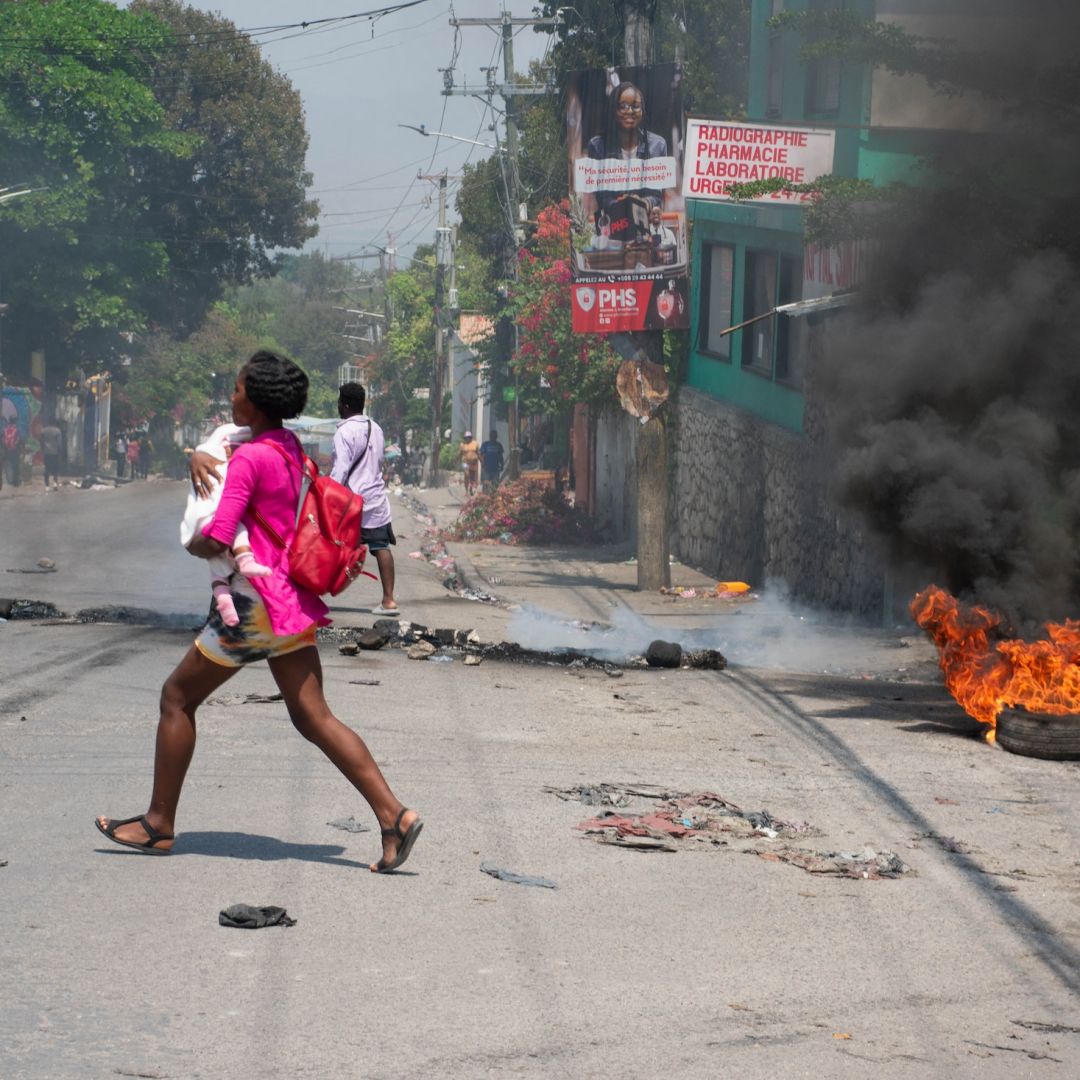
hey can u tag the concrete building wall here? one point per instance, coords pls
(752, 503)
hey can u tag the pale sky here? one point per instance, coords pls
(358, 81)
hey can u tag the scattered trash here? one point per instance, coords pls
(421, 650)
(702, 816)
(941, 801)
(870, 865)
(472, 660)
(349, 824)
(840, 1035)
(704, 659)
(442, 658)
(348, 648)
(245, 699)
(517, 879)
(247, 917)
(613, 794)
(639, 843)
(526, 511)
(364, 682)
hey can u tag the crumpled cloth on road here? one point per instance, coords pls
(698, 816)
(247, 917)
(870, 865)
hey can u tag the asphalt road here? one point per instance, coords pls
(708, 962)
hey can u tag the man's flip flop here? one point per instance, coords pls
(406, 840)
(153, 837)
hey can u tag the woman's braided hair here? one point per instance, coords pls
(275, 384)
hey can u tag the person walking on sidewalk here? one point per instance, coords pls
(357, 462)
(491, 454)
(470, 462)
(278, 624)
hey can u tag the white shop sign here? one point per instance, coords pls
(722, 153)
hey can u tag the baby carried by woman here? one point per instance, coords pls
(200, 512)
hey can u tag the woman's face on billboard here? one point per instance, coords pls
(629, 109)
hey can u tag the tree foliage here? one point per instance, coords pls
(241, 192)
(78, 120)
(172, 158)
(578, 368)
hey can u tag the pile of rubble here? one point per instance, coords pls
(424, 643)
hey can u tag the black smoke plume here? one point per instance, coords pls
(954, 385)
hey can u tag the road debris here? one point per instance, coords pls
(375, 638)
(348, 648)
(245, 699)
(349, 824)
(515, 878)
(472, 660)
(869, 865)
(421, 650)
(701, 816)
(249, 917)
(364, 682)
(664, 654)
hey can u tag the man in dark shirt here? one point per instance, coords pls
(491, 460)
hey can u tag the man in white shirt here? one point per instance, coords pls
(357, 463)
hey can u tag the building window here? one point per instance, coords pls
(823, 73)
(774, 346)
(774, 100)
(759, 298)
(718, 262)
(791, 333)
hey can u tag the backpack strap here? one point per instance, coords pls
(352, 467)
(305, 483)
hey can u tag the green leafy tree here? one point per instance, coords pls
(223, 209)
(577, 368)
(79, 122)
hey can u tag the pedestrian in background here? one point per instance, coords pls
(12, 443)
(146, 454)
(120, 453)
(357, 462)
(278, 621)
(51, 442)
(133, 457)
(491, 455)
(470, 462)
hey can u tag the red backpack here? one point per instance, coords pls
(326, 554)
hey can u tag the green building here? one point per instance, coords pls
(752, 478)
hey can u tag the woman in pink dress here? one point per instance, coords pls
(277, 624)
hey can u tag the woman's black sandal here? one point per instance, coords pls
(153, 837)
(406, 840)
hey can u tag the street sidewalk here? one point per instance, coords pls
(599, 584)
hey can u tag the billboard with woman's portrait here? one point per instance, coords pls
(624, 135)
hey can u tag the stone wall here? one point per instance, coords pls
(752, 503)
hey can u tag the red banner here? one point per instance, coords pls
(622, 306)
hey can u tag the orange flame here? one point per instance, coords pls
(984, 677)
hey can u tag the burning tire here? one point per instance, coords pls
(1040, 735)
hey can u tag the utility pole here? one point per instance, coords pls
(509, 90)
(653, 560)
(443, 256)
